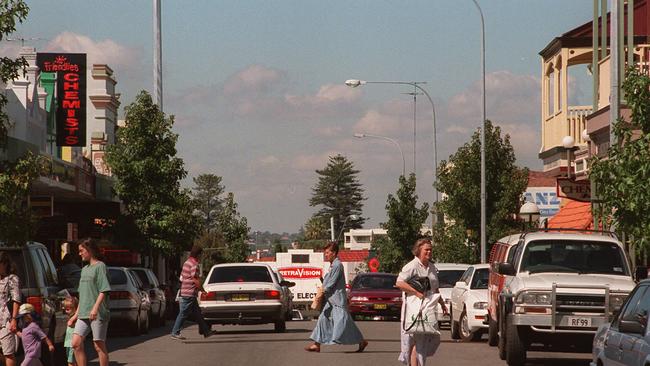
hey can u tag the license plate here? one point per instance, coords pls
(579, 322)
(240, 297)
(380, 306)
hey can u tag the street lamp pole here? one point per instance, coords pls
(362, 135)
(483, 190)
(355, 83)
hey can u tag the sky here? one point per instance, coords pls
(257, 87)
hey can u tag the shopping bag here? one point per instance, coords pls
(419, 315)
(317, 303)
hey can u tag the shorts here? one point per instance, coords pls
(70, 353)
(8, 341)
(97, 326)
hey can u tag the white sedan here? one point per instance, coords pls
(448, 275)
(469, 300)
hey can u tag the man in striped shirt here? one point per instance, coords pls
(188, 303)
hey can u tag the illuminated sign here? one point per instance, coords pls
(300, 272)
(70, 95)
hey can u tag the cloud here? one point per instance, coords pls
(255, 79)
(104, 52)
(389, 118)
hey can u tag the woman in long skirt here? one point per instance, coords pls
(335, 325)
(415, 348)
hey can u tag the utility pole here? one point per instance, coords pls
(157, 56)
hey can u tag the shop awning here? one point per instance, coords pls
(573, 215)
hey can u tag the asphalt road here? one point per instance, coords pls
(259, 345)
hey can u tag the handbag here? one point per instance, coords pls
(317, 303)
(420, 316)
(420, 284)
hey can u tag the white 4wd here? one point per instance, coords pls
(559, 290)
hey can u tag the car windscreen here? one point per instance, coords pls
(142, 275)
(240, 274)
(447, 278)
(374, 283)
(577, 256)
(480, 279)
(116, 277)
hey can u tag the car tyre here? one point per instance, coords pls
(138, 325)
(466, 333)
(280, 326)
(145, 327)
(493, 332)
(455, 332)
(515, 347)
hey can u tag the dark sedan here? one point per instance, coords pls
(374, 295)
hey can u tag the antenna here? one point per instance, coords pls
(22, 40)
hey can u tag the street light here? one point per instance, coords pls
(529, 213)
(356, 82)
(350, 217)
(568, 144)
(362, 135)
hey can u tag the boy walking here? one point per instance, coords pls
(32, 336)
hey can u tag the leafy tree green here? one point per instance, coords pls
(404, 225)
(207, 199)
(450, 244)
(17, 223)
(623, 177)
(317, 228)
(459, 180)
(11, 13)
(148, 173)
(339, 194)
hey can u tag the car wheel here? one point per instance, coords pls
(455, 332)
(493, 332)
(465, 331)
(515, 347)
(280, 326)
(138, 325)
(145, 326)
(501, 344)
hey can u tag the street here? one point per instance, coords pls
(259, 345)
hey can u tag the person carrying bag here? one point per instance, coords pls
(420, 336)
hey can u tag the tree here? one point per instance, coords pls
(148, 173)
(11, 12)
(317, 228)
(207, 199)
(404, 225)
(459, 180)
(623, 177)
(17, 223)
(450, 244)
(339, 194)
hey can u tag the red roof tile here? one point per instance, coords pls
(574, 215)
(353, 255)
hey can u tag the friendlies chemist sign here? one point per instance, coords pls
(70, 94)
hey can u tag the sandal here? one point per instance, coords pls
(312, 348)
(362, 346)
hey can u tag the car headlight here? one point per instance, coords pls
(616, 301)
(534, 298)
(359, 298)
(481, 305)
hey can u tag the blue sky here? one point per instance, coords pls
(256, 86)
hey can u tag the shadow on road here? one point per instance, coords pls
(556, 361)
(259, 331)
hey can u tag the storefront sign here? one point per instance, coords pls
(70, 94)
(300, 272)
(545, 198)
(575, 190)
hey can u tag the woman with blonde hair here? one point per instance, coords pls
(415, 348)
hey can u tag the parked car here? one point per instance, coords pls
(562, 288)
(625, 341)
(375, 294)
(468, 308)
(286, 285)
(156, 294)
(244, 293)
(128, 301)
(39, 286)
(448, 275)
(503, 251)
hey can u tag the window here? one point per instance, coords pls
(116, 277)
(480, 279)
(466, 276)
(142, 275)
(375, 282)
(362, 239)
(448, 278)
(633, 304)
(44, 267)
(300, 258)
(240, 274)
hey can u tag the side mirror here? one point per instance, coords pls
(506, 269)
(631, 326)
(641, 273)
(461, 284)
(285, 283)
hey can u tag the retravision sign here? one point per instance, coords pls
(301, 272)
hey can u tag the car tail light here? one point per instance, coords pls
(36, 302)
(272, 294)
(120, 295)
(208, 296)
